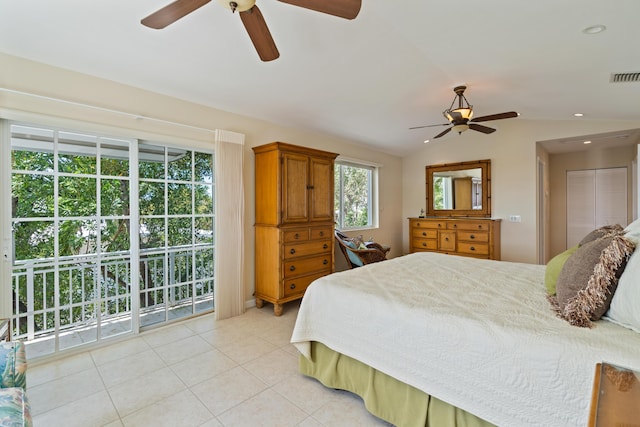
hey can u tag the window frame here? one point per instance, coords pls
(373, 196)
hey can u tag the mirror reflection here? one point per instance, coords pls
(460, 189)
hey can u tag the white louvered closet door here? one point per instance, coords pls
(595, 197)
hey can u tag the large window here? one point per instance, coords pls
(355, 195)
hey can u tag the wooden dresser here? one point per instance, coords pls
(474, 237)
(294, 221)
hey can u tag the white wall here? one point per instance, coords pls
(20, 75)
(512, 150)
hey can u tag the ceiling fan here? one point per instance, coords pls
(251, 17)
(461, 119)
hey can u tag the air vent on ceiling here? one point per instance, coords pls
(625, 77)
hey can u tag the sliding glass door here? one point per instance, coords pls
(108, 234)
(71, 243)
(176, 233)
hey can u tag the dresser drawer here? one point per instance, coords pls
(294, 250)
(299, 267)
(424, 233)
(424, 244)
(321, 233)
(295, 235)
(473, 248)
(300, 284)
(429, 224)
(473, 236)
(469, 225)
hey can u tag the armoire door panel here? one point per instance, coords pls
(321, 196)
(295, 188)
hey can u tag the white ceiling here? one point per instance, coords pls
(369, 79)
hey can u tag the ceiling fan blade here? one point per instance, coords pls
(481, 128)
(347, 9)
(509, 115)
(172, 12)
(430, 126)
(259, 34)
(443, 133)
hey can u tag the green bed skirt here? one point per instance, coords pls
(384, 396)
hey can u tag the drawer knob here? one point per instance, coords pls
(473, 236)
(292, 268)
(325, 262)
(424, 244)
(455, 225)
(297, 236)
(439, 225)
(293, 286)
(472, 248)
(292, 251)
(446, 238)
(479, 226)
(325, 246)
(417, 224)
(424, 233)
(322, 233)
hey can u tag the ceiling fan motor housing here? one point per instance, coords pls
(238, 5)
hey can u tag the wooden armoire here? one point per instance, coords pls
(294, 221)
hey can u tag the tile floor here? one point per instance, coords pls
(201, 372)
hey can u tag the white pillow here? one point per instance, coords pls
(632, 231)
(625, 305)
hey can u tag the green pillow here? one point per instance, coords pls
(554, 266)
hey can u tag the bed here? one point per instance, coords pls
(429, 339)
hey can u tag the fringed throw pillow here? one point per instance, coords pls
(589, 278)
(604, 231)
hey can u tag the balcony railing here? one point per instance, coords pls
(89, 296)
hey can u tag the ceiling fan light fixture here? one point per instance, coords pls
(465, 113)
(460, 128)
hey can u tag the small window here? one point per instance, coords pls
(355, 195)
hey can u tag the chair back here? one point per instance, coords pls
(347, 246)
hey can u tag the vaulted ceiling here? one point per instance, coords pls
(368, 79)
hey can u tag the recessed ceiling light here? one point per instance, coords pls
(594, 29)
(578, 114)
(426, 141)
(587, 142)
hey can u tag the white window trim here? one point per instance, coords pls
(375, 194)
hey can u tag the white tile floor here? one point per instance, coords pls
(201, 372)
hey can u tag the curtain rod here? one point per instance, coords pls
(108, 110)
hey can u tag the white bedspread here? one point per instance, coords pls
(477, 334)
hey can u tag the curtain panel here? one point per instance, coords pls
(229, 289)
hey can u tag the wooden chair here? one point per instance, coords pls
(357, 257)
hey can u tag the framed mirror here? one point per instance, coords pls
(459, 189)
